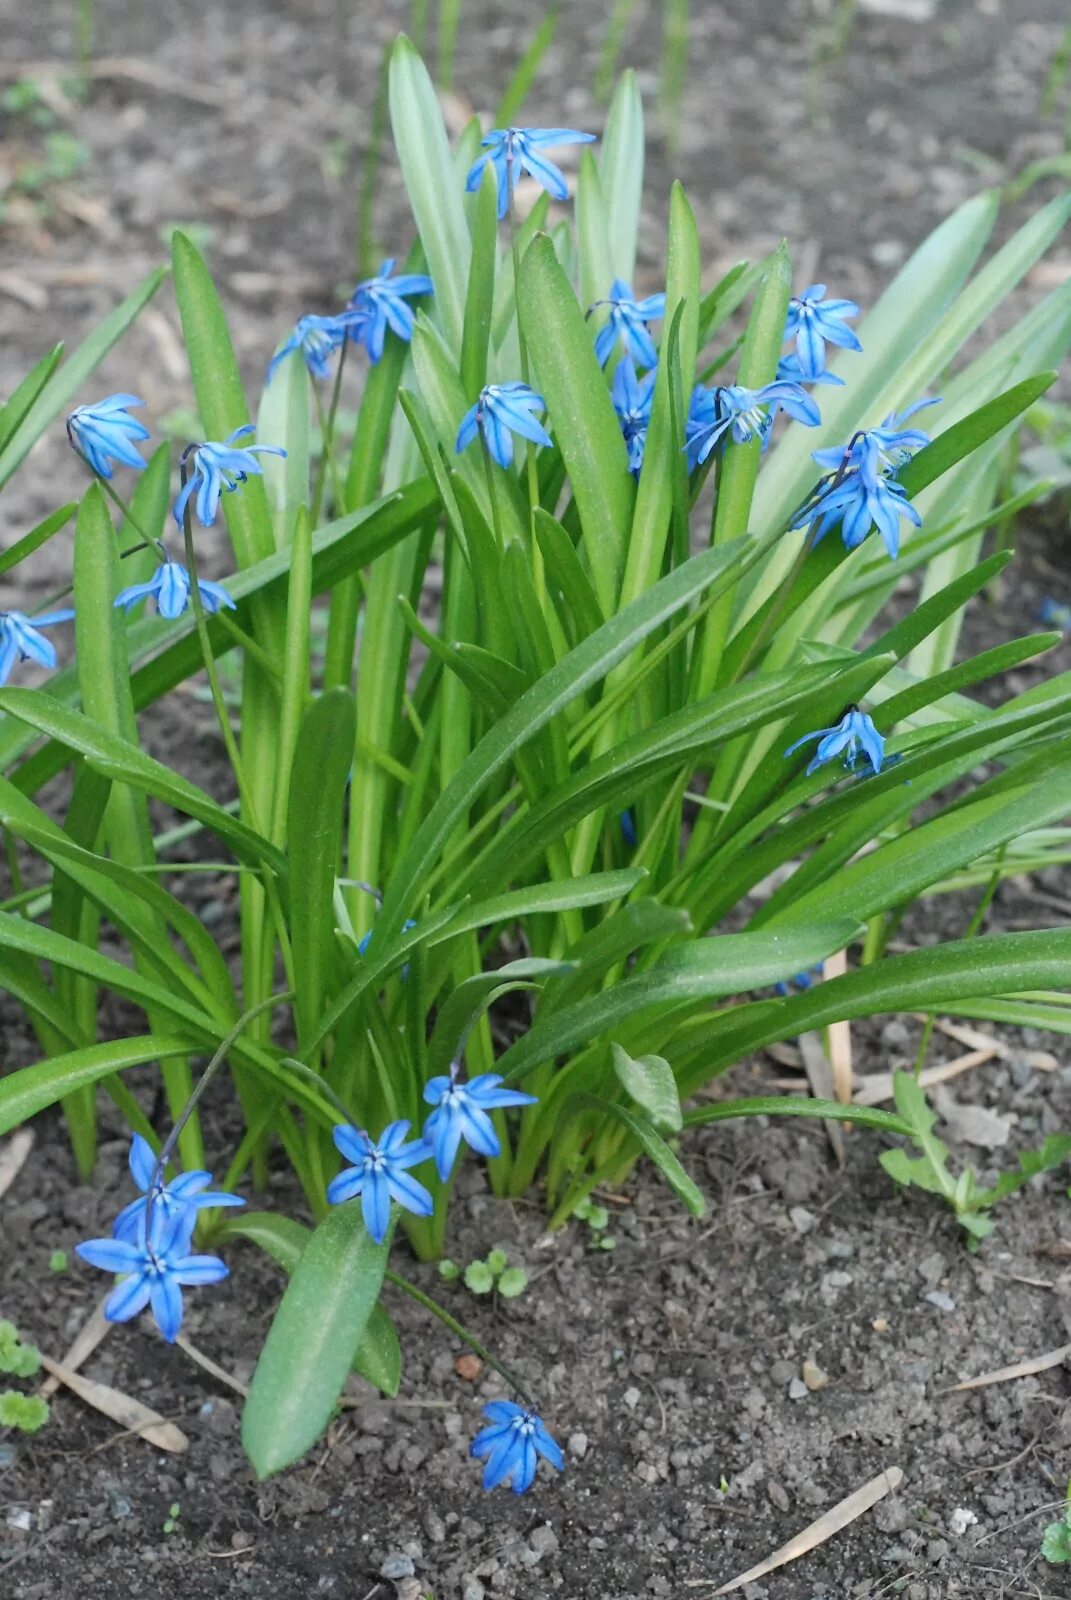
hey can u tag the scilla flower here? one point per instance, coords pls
(855, 735)
(632, 397)
(628, 320)
(512, 151)
(215, 468)
(379, 1175)
(510, 1448)
(859, 501)
(317, 338)
(815, 322)
(380, 302)
(20, 639)
(882, 449)
(154, 1270)
(749, 413)
(461, 1112)
(188, 1192)
(170, 587)
(502, 409)
(103, 434)
(788, 371)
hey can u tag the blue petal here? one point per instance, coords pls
(375, 1204)
(111, 1255)
(127, 1299)
(166, 1299)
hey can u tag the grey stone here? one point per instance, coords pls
(543, 1539)
(471, 1587)
(397, 1565)
(434, 1527)
(797, 1389)
(802, 1219)
(942, 1301)
(783, 1372)
(577, 1446)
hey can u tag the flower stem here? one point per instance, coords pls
(462, 1332)
(327, 430)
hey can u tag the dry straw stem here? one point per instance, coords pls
(1021, 1369)
(832, 1522)
(13, 1157)
(130, 1414)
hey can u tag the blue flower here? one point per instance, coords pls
(788, 371)
(381, 301)
(512, 151)
(854, 735)
(20, 639)
(1054, 614)
(102, 433)
(502, 408)
(628, 829)
(860, 501)
(802, 980)
(461, 1113)
(816, 322)
(628, 320)
(881, 449)
(154, 1271)
(218, 467)
(378, 1175)
(170, 585)
(510, 1447)
(632, 397)
(366, 939)
(317, 338)
(188, 1192)
(749, 414)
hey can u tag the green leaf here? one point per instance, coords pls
(621, 159)
(1056, 1543)
(958, 441)
(434, 193)
(23, 396)
(479, 300)
(33, 1089)
(317, 808)
(26, 1412)
(649, 1141)
(313, 1340)
(584, 423)
(283, 419)
(784, 1105)
(36, 537)
(512, 1282)
(379, 1355)
(650, 1084)
(70, 377)
(479, 1279)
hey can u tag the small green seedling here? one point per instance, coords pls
(174, 1512)
(57, 1261)
(1056, 1540)
(929, 1170)
(26, 1412)
(481, 1277)
(597, 1218)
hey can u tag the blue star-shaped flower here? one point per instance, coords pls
(461, 1113)
(789, 371)
(379, 1175)
(102, 433)
(154, 1270)
(854, 735)
(882, 449)
(628, 320)
(749, 413)
(188, 1192)
(859, 501)
(632, 397)
(511, 1446)
(815, 322)
(317, 338)
(502, 409)
(20, 639)
(512, 151)
(170, 586)
(216, 468)
(381, 302)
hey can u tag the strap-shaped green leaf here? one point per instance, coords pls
(650, 1142)
(33, 1089)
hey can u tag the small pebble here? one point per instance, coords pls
(7, 1455)
(797, 1389)
(434, 1527)
(802, 1219)
(632, 1398)
(782, 1372)
(942, 1301)
(814, 1377)
(471, 1587)
(397, 1565)
(577, 1446)
(836, 1280)
(543, 1539)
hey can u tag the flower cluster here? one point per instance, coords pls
(150, 1243)
(376, 304)
(513, 151)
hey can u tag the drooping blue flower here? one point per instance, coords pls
(1055, 614)
(511, 1446)
(788, 371)
(366, 939)
(859, 501)
(879, 450)
(801, 980)
(628, 320)
(21, 640)
(512, 151)
(381, 302)
(188, 1192)
(317, 338)
(215, 468)
(170, 587)
(855, 735)
(379, 1174)
(749, 414)
(815, 322)
(632, 397)
(502, 409)
(102, 433)
(461, 1113)
(154, 1270)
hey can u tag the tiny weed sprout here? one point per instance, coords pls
(27, 1413)
(565, 764)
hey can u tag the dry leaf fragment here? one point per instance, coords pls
(130, 1414)
(1021, 1369)
(13, 1157)
(824, 1528)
